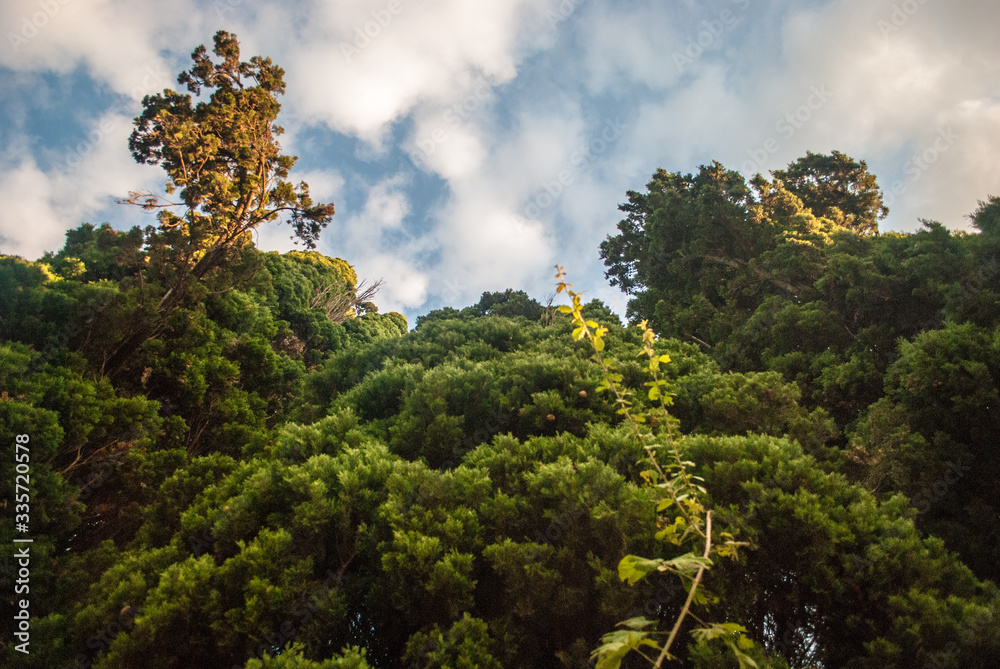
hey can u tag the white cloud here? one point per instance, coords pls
(447, 145)
(364, 65)
(899, 80)
(405, 286)
(118, 43)
(695, 124)
(324, 184)
(29, 197)
(387, 205)
(89, 176)
(886, 94)
(492, 232)
(373, 237)
(627, 46)
(500, 122)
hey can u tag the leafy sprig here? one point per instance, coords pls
(684, 519)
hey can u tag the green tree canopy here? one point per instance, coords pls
(223, 157)
(837, 187)
(236, 461)
(223, 153)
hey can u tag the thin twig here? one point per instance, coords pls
(690, 598)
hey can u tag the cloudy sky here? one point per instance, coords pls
(470, 146)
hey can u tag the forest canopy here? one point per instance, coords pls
(239, 462)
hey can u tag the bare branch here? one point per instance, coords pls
(337, 305)
(148, 200)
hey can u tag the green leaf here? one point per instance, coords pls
(732, 635)
(689, 563)
(633, 569)
(617, 645)
(717, 630)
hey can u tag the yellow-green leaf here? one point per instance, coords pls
(633, 568)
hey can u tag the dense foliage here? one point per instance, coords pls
(460, 495)
(258, 485)
(894, 335)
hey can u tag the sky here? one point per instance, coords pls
(471, 146)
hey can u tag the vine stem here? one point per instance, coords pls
(682, 478)
(690, 598)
